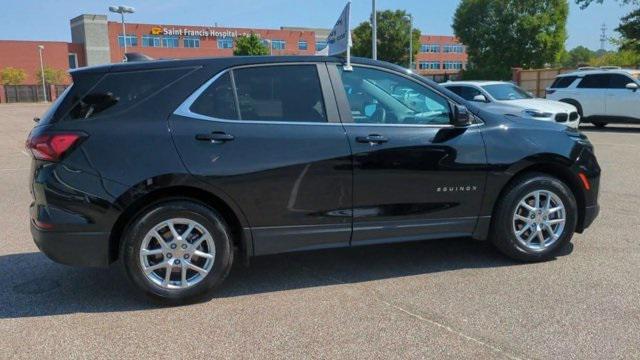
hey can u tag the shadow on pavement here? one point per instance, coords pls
(611, 129)
(35, 286)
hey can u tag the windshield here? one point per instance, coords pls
(506, 92)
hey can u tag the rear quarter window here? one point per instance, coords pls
(563, 82)
(121, 90)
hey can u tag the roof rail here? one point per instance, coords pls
(608, 67)
(585, 68)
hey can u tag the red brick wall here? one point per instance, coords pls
(24, 55)
(208, 45)
(441, 56)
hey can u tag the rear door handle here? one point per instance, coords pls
(373, 139)
(215, 137)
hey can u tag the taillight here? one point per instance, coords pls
(51, 147)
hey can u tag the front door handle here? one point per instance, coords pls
(215, 137)
(373, 139)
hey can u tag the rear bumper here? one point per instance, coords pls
(71, 248)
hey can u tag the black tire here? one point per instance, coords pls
(599, 124)
(208, 218)
(503, 235)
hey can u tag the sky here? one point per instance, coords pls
(49, 19)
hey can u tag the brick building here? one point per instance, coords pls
(95, 41)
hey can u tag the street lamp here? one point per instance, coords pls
(121, 9)
(270, 46)
(410, 18)
(44, 88)
(374, 31)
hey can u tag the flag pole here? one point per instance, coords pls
(348, 67)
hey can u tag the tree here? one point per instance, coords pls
(622, 58)
(578, 56)
(501, 34)
(629, 28)
(12, 76)
(393, 38)
(585, 3)
(250, 45)
(52, 75)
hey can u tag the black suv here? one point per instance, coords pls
(177, 168)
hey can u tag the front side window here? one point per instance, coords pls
(225, 43)
(131, 40)
(503, 92)
(381, 97)
(619, 81)
(289, 93)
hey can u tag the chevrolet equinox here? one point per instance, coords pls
(176, 168)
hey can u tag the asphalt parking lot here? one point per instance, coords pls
(439, 299)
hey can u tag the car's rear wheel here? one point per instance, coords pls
(177, 251)
(535, 219)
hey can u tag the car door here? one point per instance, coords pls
(415, 176)
(270, 138)
(591, 93)
(622, 102)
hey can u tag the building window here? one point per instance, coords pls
(278, 44)
(73, 60)
(191, 42)
(453, 65)
(225, 43)
(131, 39)
(429, 65)
(302, 45)
(151, 41)
(321, 44)
(170, 41)
(429, 48)
(454, 49)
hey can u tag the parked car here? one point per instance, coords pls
(507, 98)
(601, 95)
(180, 168)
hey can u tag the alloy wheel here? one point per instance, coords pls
(538, 220)
(177, 253)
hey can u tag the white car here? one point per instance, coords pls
(602, 95)
(508, 99)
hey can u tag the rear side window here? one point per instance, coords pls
(118, 91)
(598, 81)
(280, 93)
(563, 82)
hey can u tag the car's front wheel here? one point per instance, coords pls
(177, 251)
(535, 219)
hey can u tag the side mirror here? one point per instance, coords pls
(461, 116)
(632, 86)
(480, 98)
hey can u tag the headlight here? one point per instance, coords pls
(538, 113)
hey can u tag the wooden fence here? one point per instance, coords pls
(29, 93)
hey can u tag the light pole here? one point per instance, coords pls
(410, 18)
(268, 41)
(374, 31)
(44, 88)
(121, 9)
